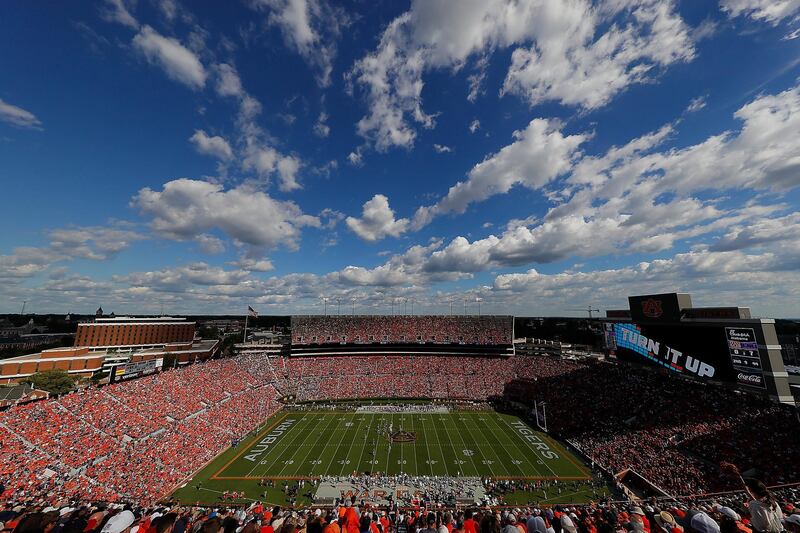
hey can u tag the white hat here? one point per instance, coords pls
(566, 524)
(49, 509)
(730, 513)
(119, 522)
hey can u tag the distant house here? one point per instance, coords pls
(9, 330)
(20, 394)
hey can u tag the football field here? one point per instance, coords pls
(308, 444)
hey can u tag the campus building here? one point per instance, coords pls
(106, 344)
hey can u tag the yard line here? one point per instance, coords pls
(375, 450)
(414, 447)
(463, 443)
(324, 434)
(502, 445)
(426, 444)
(336, 451)
(347, 455)
(535, 451)
(269, 452)
(364, 446)
(389, 450)
(516, 443)
(290, 446)
(439, 445)
(402, 459)
(311, 446)
(480, 450)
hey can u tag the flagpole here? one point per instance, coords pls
(244, 340)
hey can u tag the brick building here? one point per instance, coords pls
(106, 343)
(129, 333)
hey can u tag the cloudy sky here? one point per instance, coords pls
(533, 156)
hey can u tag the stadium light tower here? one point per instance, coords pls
(465, 307)
(478, 299)
(353, 301)
(325, 304)
(412, 304)
(338, 306)
(588, 309)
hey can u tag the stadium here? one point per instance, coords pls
(393, 416)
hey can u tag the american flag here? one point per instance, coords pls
(252, 312)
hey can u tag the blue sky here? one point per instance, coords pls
(535, 156)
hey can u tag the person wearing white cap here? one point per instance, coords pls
(119, 523)
(699, 522)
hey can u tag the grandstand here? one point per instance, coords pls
(308, 428)
(435, 335)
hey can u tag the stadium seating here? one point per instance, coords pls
(133, 440)
(137, 440)
(475, 330)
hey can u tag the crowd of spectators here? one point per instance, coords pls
(399, 329)
(748, 512)
(397, 376)
(673, 432)
(136, 439)
(413, 376)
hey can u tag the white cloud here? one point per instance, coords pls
(177, 61)
(474, 125)
(258, 153)
(309, 27)
(713, 278)
(185, 209)
(581, 67)
(168, 8)
(215, 146)
(254, 265)
(321, 128)
(27, 261)
(18, 117)
(228, 81)
(266, 161)
(377, 220)
(772, 11)
(356, 157)
(92, 242)
(181, 277)
(442, 149)
(631, 184)
(209, 244)
(696, 104)
(760, 232)
(538, 154)
(572, 53)
(117, 11)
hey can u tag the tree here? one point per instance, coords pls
(53, 381)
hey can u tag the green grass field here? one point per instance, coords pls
(306, 444)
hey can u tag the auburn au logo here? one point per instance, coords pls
(651, 308)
